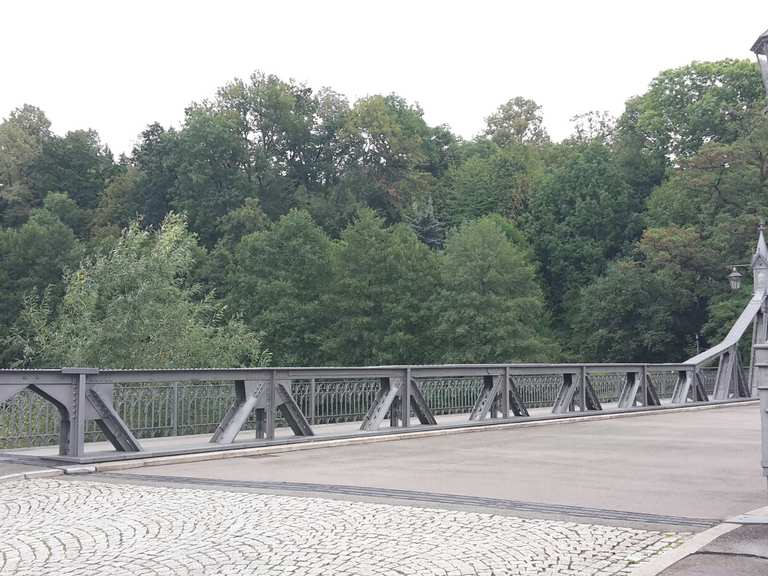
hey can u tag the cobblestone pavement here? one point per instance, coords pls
(77, 528)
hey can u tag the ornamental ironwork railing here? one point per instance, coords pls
(74, 406)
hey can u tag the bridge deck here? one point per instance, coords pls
(696, 464)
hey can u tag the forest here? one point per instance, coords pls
(287, 226)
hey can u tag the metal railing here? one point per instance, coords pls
(155, 403)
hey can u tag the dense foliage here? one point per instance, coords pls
(287, 225)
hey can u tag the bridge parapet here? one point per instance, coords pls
(391, 397)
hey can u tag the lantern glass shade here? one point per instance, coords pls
(734, 279)
(760, 48)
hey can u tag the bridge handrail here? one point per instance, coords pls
(734, 335)
(63, 376)
(83, 395)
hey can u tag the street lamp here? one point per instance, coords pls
(734, 278)
(760, 48)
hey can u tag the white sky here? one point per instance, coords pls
(116, 66)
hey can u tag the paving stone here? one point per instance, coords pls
(78, 528)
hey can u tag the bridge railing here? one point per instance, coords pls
(73, 406)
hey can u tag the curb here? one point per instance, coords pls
(33, 474)
(696, 543)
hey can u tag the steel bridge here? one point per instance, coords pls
(261, 398)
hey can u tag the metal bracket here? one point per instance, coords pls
(391, 399)
(689, 385)
(632, 391)
(566, 396)
(254, 395)
(729, 375)
(109, 422)
(491, 401)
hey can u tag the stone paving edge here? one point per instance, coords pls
(693, 545)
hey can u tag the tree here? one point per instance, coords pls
(632, 314)
(392, 151)
(490, 307)
(131, 307)
(593, 126)
(276, 282)
(65, 209)
(499, 182)
(690, 106)
(517, 121)
(78, 164)
(120, 204)
(580, 218)
(33, 258)
(210, 169)
(246, 219)
(379, 303)
(155, 157)
(22, 136)
(650, 308)
(717, 185)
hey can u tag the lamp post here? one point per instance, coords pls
(760, 48)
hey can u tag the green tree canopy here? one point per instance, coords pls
(78, 164)
(379, 304)
(580, 218)
(131, 307)
(277, 279)
(22, 136)
(631, 314)
(33, 258)
(499, 182)
(517, 121)
(490, 307)
(692, 105)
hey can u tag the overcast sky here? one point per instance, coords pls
(116, 66)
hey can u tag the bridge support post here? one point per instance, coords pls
(77, 404)
(398, 395)
(499, 396)
(405, 399)
(759, 336)
(573, 382)
(761, 373)
(264, 398)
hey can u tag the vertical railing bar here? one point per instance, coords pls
(270, 416)
(405, 404)
(505, 393)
